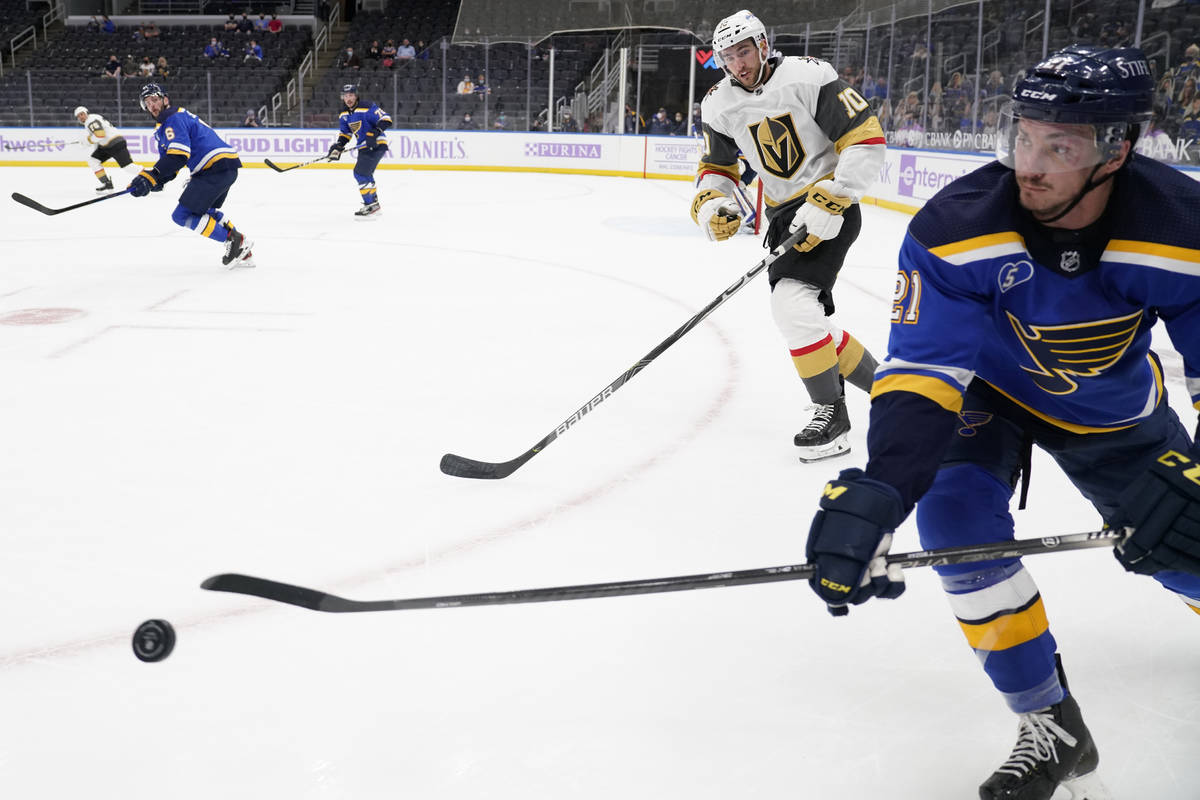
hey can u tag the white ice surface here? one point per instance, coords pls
(287, 422)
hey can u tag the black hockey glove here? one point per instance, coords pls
(849, 539)
(335, 151)
(370, 140)
(1163, 507)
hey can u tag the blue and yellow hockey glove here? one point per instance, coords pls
(1163, 508)
(849, 541)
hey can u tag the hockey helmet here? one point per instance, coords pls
(350, 88)
(79, 110)
(151, 90)
(737, 28)
(1110, 90)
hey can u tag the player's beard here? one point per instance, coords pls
(1043, 200)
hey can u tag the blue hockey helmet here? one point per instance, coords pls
(350, 88)
(1109, 89)
(150, 90)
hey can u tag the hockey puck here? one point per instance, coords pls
(153, 640)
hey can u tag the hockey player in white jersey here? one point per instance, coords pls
(103, 141)
(817, 148)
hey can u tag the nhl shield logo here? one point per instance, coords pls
(778, 146)
(1069, 261)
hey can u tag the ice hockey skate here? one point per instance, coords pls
(238, 251)
(369, 211)
(827, 434)
(1054, 749)
(106, 185)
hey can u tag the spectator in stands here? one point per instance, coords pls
(1186, 94)
(659, 124)
(250, 120)
(150, 31)
(275, 25)
(465, 124)
(214, 48)
(245, 24)
(107, 25)
(146, 68)
(1191, 61)
(405, 51)
(697, 130)
(481, 87)
(388, 53)
(633, 122)
(253, 53)
(129, 67)
(230, 24)
(910, 133)
(465, 86)
(501, 123)
(567, 124)
(261, 25)
(374, 52)
(875, 89)
(1190, 127)
(994, 86)
(93, 25)
(422, 50)
(350, 59)
(681, 126)
(162, 68)
(112, 69)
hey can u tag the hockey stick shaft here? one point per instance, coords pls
(461, 467)
(325, 157)
(316, 600)
(36, 206)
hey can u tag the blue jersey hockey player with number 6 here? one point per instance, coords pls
(1022, 315)
(185, 140)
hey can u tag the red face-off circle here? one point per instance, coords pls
(40, 316)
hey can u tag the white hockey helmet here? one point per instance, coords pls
(79, 110)
(737, 28)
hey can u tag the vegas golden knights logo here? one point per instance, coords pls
(778, 146)
(1061, 353)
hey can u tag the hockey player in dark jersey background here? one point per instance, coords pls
(816, 147)
(1022, 315)
(366, 123)
(183, 139)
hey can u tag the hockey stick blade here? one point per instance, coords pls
(36, 206)
(278, 168)
(460, 467)
(316, 600)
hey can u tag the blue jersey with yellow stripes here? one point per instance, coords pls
(355, 122)
(1058, 321)
(179, 132)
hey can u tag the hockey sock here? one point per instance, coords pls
(366, 187)
(855, 363)
(824, 388)
(817, 365)
(204, 224)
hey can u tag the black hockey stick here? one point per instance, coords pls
(36, 206)
(461, 467)
(963, 554)
(325, 157)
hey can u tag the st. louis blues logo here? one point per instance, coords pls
(354, 126)
(972, 421)
(1014, 274)
(1080, 350)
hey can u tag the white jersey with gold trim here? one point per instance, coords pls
(98, 132)
(802, 125)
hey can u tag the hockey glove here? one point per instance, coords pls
(716, 214)
(1163, 507)
(821, 213)
(849, 540)
(144, 183)
(335, 151)
(370, 139)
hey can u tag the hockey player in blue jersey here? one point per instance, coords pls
(1022, 315)
(185, 140)
(367, 124)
